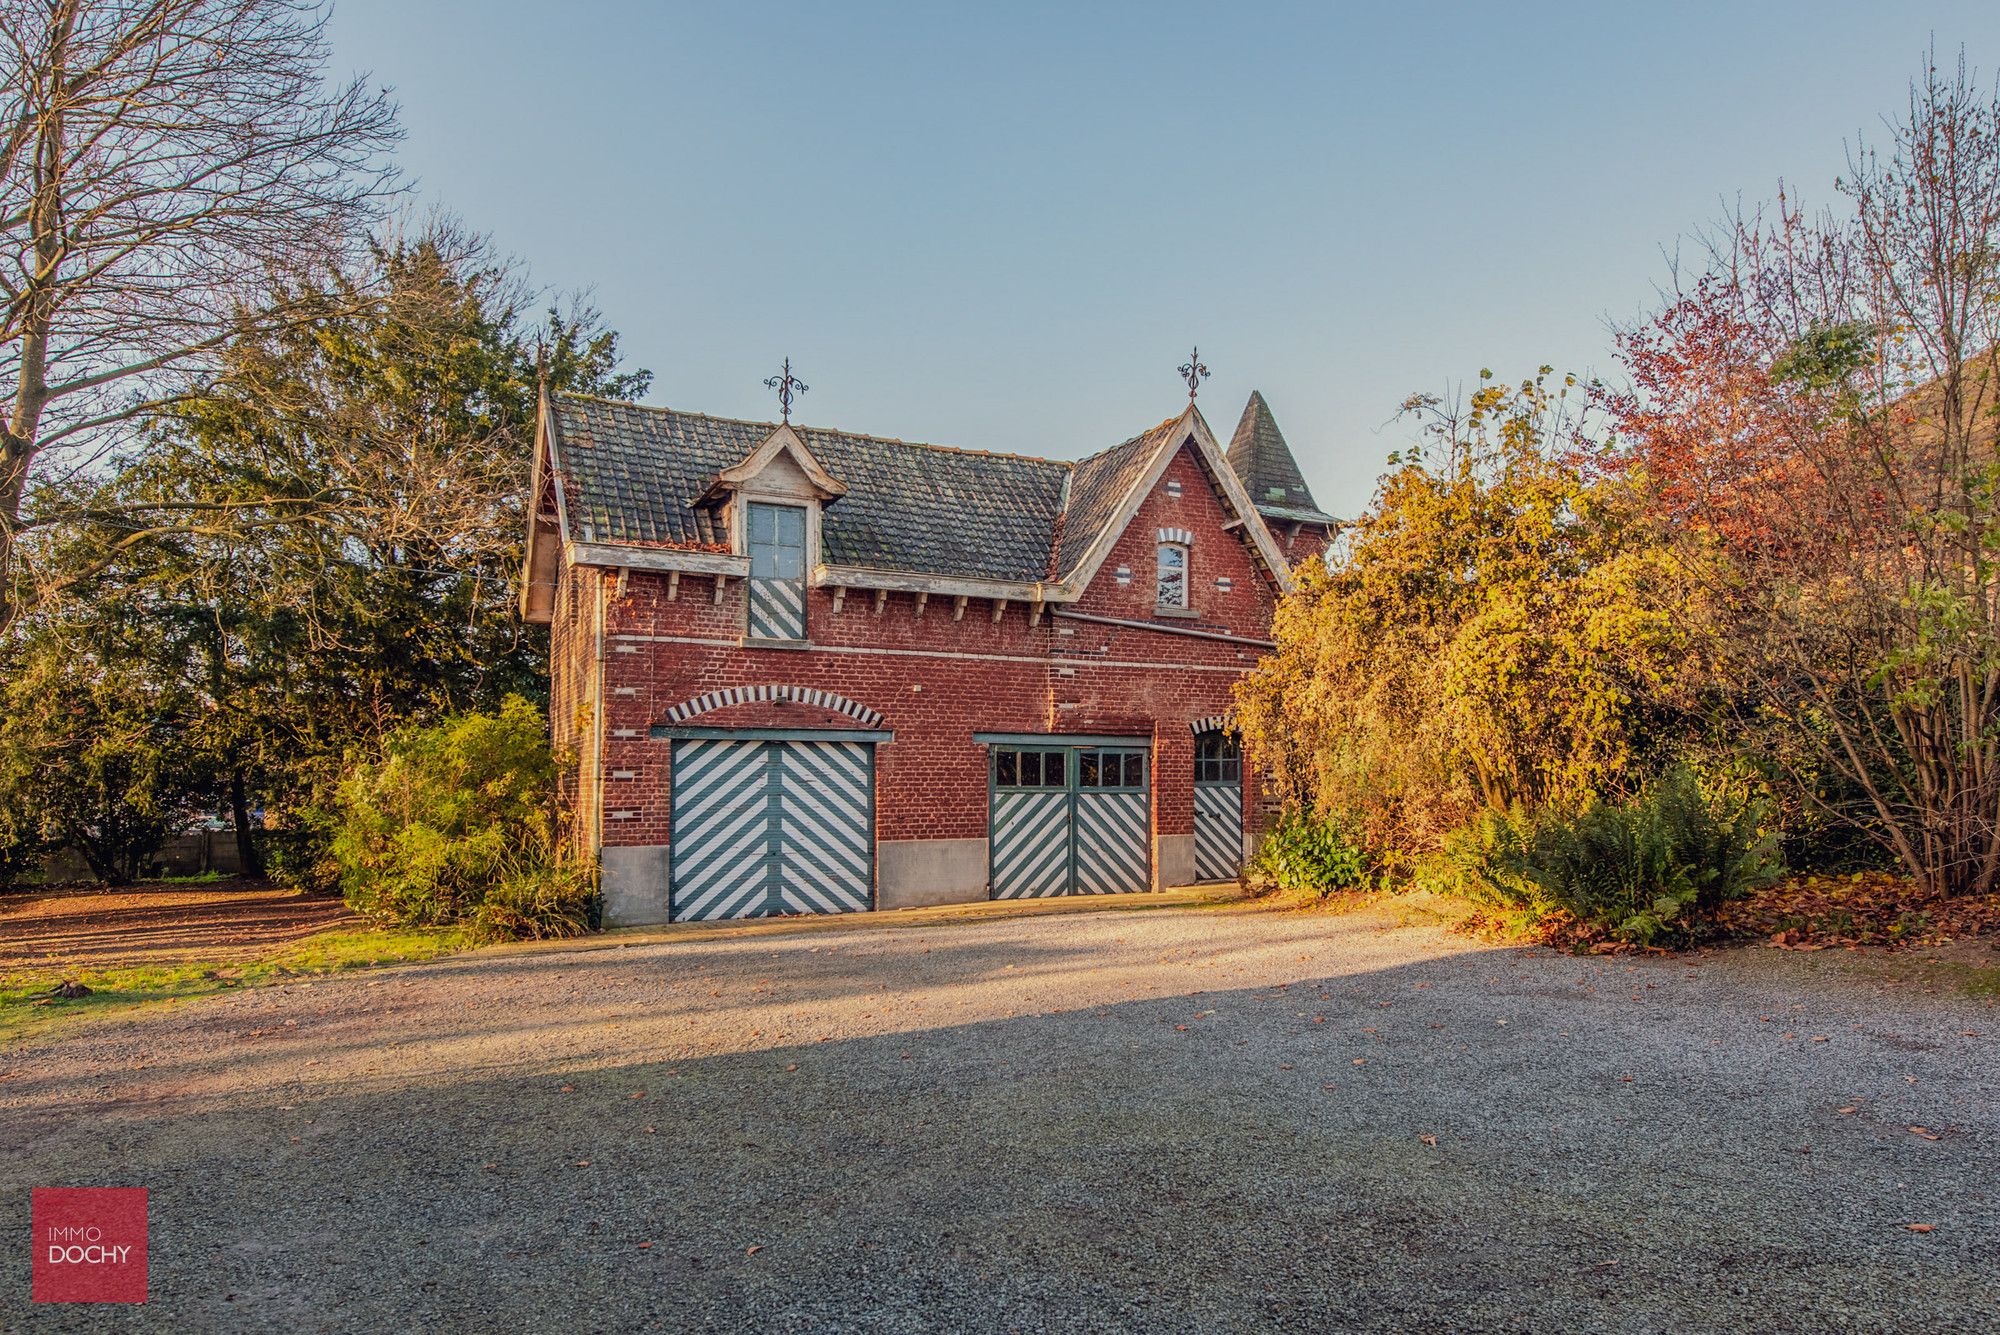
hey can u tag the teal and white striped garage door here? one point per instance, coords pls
(769, 827)
(1069, 820)
(1218, 807)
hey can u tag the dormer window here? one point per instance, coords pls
(1173, 576)
(775, 498)
(776, 538)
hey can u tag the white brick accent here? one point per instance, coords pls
(805, 695)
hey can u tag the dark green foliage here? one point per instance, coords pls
(454, 823)
(1827, 357)
(1650, 871)
(1310, 853)
(91, 758)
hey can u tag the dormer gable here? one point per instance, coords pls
(781, 466)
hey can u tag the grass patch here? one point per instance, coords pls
(192, 878)
(1974, 980)
(28, 1011)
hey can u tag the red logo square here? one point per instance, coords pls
(90, 1244)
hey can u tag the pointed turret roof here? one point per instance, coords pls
(1270, 474)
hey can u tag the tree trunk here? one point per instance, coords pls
(14, 456)
(248, 860)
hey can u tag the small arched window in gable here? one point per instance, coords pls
(1173, 575)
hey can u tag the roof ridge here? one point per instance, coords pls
(1130, 440)
(830, 430)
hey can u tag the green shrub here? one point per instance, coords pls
(299, 853)
(1309, 853)
(1649, 871)
(551, 900)
(453, 824)
(1484, 862)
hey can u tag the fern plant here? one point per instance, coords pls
(1649, 871)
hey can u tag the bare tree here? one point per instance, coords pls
(159, 160)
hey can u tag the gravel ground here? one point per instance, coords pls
(1201, 1119)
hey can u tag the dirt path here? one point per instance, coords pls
(1188, 1119)
(102, 926)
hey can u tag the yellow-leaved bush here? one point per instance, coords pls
(455, 822)
(1497, 632)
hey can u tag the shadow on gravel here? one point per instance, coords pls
(1422, 1147)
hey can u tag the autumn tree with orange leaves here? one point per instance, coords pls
(1817, 410)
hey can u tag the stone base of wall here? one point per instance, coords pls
(911, 873)
(633, 882)
(1173, 860)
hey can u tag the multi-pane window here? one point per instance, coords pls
(1014, 768)
(777, 541)
(777, 545)
(1173, 575)
(1217, 758)
(1111, 769)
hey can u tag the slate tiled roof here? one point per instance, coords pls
(633, 475)
(1096, 486)
(1270, 474)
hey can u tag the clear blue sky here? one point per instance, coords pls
(1003, 225)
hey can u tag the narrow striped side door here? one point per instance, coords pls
(826, 860)
(1218, 830)
(1031, 839)
(722, 822)
(1112, 853)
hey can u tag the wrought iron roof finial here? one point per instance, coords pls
(1194, 373)
(789, 387)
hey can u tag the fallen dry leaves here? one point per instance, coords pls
(1860, 909)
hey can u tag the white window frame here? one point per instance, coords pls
(1186, 551)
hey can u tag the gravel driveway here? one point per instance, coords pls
(1173, 1119)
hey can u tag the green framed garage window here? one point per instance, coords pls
(1111, 769)
(1017, 768)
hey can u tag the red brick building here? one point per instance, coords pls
(803, 670)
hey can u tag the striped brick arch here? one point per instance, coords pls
(747, 695)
